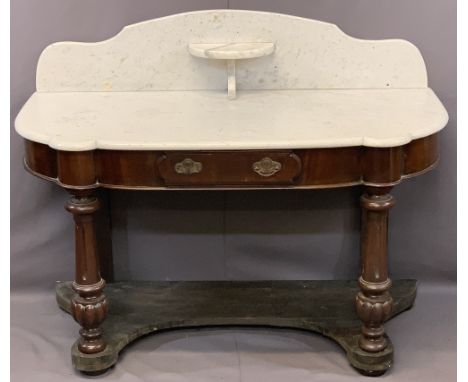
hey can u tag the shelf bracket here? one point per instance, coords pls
(231, 52)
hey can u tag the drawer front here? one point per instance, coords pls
(229, 168)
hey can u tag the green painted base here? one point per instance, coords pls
(139, 307)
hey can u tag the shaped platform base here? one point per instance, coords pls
(140, 307)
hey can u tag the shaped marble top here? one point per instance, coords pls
(207, 120)
(309, 85)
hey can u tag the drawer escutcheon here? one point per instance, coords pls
(266, 167)
(188, 167)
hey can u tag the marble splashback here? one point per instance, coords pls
(153, 55)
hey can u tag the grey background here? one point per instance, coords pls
(234, 235)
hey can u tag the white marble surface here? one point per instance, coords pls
(202, 120)
(153, 55)
(144, 90)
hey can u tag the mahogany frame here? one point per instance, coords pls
(321, 168)
(377, 169)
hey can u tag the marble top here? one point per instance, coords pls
(207, 120)
(161, 85)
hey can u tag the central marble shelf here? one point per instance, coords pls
(207, 120)
(232, 51)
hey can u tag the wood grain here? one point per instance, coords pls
(89, 304)
(313, 168)
(374, 302)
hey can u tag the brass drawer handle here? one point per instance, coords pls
(266, 167)
(188, 167)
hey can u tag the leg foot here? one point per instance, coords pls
(372, 364)
(372, 373)
(96, 373)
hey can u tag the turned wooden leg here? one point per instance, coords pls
(373, 302)
(104, 236)
(89, 305)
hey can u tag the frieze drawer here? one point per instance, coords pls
(229, 168)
